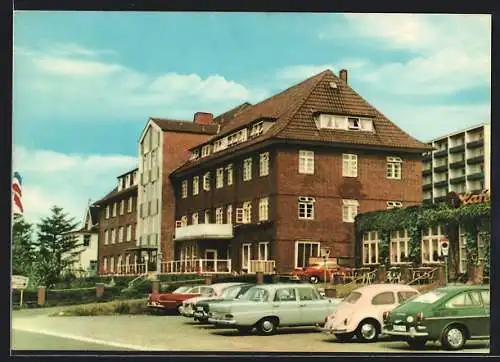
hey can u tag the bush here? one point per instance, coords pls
(136, 306)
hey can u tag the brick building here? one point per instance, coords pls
(117, 252)
(164, 146)
(282, 179)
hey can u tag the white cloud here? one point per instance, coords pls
(69, 79)
(301, 72)
(67, 180)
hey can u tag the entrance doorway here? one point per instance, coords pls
(211, 259)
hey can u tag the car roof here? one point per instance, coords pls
(288, 285)
(376, 288)
(464, 287)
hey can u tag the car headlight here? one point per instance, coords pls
(409, 319)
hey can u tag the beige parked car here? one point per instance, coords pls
(362, 312)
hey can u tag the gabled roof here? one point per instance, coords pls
(294, 110)
(226, 116)
(185, 126)
(94, 214)
(115, 193)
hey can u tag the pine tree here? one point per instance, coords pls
(56, 248)
(23, 252)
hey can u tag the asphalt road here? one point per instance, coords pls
(34, 329)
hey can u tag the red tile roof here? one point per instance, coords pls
(174, 125)
(294, 108)
(115, 193)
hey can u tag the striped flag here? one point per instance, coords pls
(17, 193)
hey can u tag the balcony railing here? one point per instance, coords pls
(199, 266)
(264, 266)
(204, 231)
(130, 269)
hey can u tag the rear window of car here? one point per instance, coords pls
(307, 294)
(429, 297)
(231, 292)
(384, 298)
(463, 300)
(181, 289)
(405, 295)
(353, 297)
(206, 291)
(256, 295)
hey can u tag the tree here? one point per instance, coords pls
(57, 249)
(23, 252)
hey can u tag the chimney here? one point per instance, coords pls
(343, 75)
(203, 118)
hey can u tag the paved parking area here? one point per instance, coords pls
(177, 333)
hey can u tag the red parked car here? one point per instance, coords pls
(173, 300)
(315, 272)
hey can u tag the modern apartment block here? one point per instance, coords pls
(460, 162)
(285, 178)
(117, 250)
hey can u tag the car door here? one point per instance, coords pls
(313, 309)
(485, 297)
(467, 308)
(285, 305)
(382, 302)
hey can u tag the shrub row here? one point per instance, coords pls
(136, 306)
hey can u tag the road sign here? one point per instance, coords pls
(445, 244)
(19, 282)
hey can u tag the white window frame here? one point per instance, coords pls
(106, 237)
(247, 169)
(264, 164)
(399, 238)
(371, 240)
(247, 212)
(305, 207)
(246, 247)
(317, 244)
(394, 168)
(195, 154)
(184, 221)
(349, 165)
(113, 236)
(306, 162)
(263, 248)
(264, 209)
(229, 169)
(428, 238)
(107, 211)
(184, 189)
(205, 151)
(350, 208)
(219, 215)
(120, 234)
(229, 214)
(196, 185)
(129, 232)
(122, 207)
(206, 181)
(129, 206)
(257, 129)
(194, 218)
(112, 264)
(353, 123)
(114, 209)
(105, 264)
(206, 219)
(394, 204)
(219, 178)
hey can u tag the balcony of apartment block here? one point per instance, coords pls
(457, 148)
(457, 179)
(427, 170)
(440, 152)
(427, 157)
(479, 142)
(457, 163)
(203, 231)
(475, 159)
(441, 183)
(440, 167)
(478, 175)
(427, 186)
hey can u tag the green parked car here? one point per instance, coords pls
(450, 315)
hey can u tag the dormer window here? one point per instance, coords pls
(257, 129)
(195, 155)
(353, 123)
(205, 151)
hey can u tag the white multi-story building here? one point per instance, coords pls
(460, 163)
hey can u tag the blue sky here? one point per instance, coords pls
(85, 83)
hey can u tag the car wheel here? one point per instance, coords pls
(344, 337)
(367, 331)
(314, 279)
(453, 338)
(416, 343)
(267, 326)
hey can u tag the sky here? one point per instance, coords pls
(85, 83)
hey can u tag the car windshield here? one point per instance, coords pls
(181, 290)
(255, 295)
(231, 292)
(429, 297)
(353, 297)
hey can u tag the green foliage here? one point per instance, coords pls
(23, 253)
(56, 249)
(416, 218)
(137, 306)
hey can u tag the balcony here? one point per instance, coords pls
(427, 186)
(457, 164)
(264, 266)
(440, 153)
(204, 231)
(457, 180)
(441, 183)
(457, 149)
(199, 266)
(475, 176)
(426, 171)
(475, 159)
(426, 157)
(438, 199)
(440, 167)
(476, 143)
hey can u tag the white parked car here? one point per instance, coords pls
(362, 312)
(187, 307)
